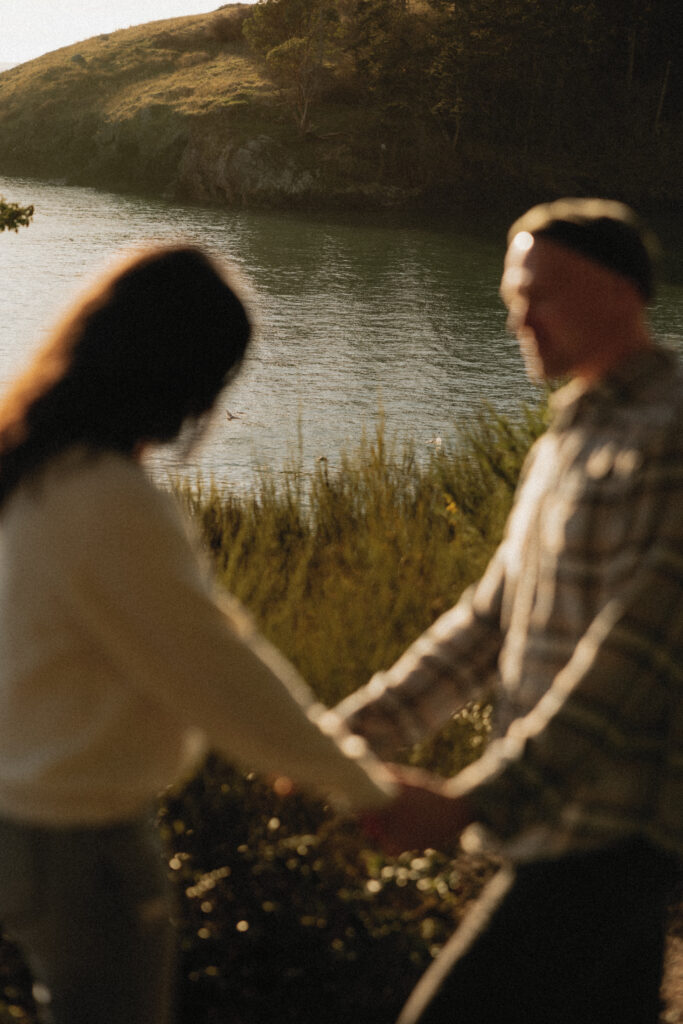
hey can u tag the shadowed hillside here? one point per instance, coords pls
(179, 107)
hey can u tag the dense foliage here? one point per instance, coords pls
(288, 918)
(571, 93)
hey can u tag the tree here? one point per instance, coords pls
(298, 74)
(13, 216)
(298, 40)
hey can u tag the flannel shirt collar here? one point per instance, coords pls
(625, 383)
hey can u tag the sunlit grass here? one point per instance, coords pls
(344, 570)
(166, 72)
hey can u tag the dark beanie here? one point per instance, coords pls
(600, 229)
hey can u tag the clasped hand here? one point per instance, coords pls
(423, 815)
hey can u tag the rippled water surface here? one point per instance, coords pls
(355, 315)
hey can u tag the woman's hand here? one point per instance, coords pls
(422, 816)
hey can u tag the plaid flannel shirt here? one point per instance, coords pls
(575, 629)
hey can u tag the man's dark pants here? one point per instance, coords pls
(578, 940)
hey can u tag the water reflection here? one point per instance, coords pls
(354, 315)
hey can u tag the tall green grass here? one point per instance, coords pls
(342, 570)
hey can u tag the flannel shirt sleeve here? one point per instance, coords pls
(453, 662)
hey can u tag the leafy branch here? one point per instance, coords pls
(13, 216)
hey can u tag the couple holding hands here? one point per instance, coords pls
(120, 665)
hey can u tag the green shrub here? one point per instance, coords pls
(227, 27)
(13, 216)
(285, 910)
(344, 570)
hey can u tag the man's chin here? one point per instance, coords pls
(542, 370)
(540, 367)
(536, 369)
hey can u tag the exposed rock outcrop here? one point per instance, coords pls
(258, 170)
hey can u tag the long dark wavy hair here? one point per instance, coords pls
(148, 349)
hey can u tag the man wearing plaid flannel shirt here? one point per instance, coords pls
(575, 631)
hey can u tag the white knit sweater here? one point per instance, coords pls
(118, 666)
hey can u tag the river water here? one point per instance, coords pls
(358, 316)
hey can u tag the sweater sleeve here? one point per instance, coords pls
(136, 584)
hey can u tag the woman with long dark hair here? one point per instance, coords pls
(118, 667)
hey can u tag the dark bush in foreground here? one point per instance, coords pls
(289, 918)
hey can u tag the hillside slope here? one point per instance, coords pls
(177, 107)
(409, 105)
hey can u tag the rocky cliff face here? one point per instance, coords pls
(275, 169)
(176, 110)
(255, 171)
(156, 150)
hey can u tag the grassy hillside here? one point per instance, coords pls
(120, 108)
(179, 106)
(379, 104)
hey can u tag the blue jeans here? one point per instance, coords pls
(90, 910)
(579, 940)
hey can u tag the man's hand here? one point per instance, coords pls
(423, 815)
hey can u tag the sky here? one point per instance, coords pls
(29, 28)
